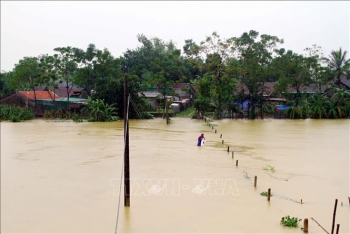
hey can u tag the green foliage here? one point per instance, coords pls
(265, 194)
(160, 110)
(48, 114)
(156, 64)
(5, 88)
(66, 65)
(68, 115)
(15, 114)
(203, 102)
(299, 111)
(216, 84)
(288, 221)
(147, 115)
(58, 114)
(338, 64)
(15, 118)
(159, 62)
(77, 118)
(318, 105)
(186, 113)
(268, 109)
(253, 67)
(347, 109)
(214, 67)
(99, 111)
(269, 168)
(49, 71)
(26, 72)
(54, 114)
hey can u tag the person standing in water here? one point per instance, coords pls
(201, 138)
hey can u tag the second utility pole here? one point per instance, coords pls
(126, 149)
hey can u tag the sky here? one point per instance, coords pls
(32, 28)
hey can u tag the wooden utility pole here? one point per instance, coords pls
(126, 149)
(166, 111)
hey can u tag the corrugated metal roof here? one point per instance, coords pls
(149, 94)
(71, 99)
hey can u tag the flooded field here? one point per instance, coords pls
(63, 177)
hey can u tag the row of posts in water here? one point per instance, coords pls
(306, 221)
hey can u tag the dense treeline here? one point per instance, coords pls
(214, 66)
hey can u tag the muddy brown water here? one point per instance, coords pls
(64, 177)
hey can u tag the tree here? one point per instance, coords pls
(49, 73)
(28, 73)
(255, 56)
(5, 88)
(66, 65)
(193, 62)
(340, 101)
(296, 72)
(156, 63)
(202, 102)
(86, 62)
(109, 81)
(215, 53)
(338, 64)
(318, 73)
(314, 51)
(318, 106)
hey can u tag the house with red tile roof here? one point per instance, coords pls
(27, 98)
(45, 100)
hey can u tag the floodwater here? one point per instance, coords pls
(64, 177)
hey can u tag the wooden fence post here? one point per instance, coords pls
(334, 213)
(338, 225)
(255, 180)
(306, 225)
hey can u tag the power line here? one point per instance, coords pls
(139, 113)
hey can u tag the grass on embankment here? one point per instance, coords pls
(189, 112)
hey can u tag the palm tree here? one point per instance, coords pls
(299, 109)
(318, 104)
(340, 96)
(341, 101)
(339, 65)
